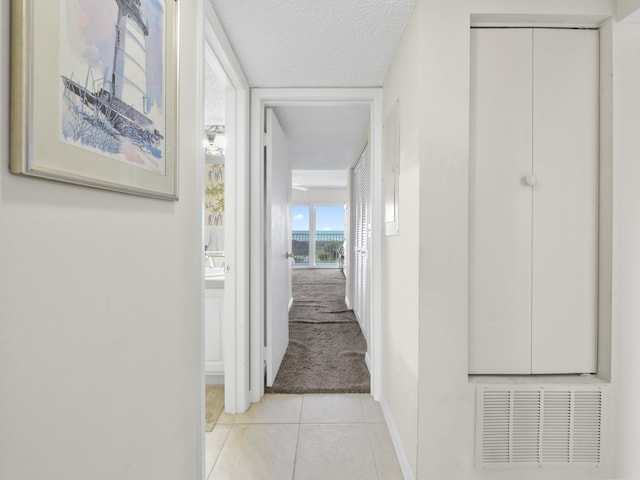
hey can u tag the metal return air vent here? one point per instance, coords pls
(538, 426)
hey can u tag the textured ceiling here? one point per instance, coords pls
(311, 43)
(214, 97)
(323, 137)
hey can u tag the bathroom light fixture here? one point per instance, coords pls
(215, 141)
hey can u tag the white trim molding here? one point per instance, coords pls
(214, 368)
(236, 316)
(348, 303)
(394, 433)
(198, 57)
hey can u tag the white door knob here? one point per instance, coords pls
(531, 180)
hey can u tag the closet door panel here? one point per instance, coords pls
(565, 119)
(499, 203)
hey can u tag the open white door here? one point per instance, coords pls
(278, 245)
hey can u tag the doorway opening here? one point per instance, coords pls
(265, 337)
(225, 216)
(224, 353)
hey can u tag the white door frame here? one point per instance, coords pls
(278, 97)
(236, 288)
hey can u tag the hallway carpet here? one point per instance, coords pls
(326, 346)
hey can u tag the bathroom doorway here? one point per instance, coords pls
(225, 213)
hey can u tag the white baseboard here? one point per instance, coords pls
(403, 460)
(214, 379)
(213, 368)
(348, 303)
(362, 329)
(290, 304)
(367, 360)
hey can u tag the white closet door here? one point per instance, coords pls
(500, 204)
(360, 186)
(357, 245)
(364, 249)
(565, 200)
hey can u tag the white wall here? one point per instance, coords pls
(320, 196)
(626, 252)
(430, 75)
(626, 7)
(99, 313)
(626, 248)
(400, 253)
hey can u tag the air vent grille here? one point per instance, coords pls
(495, 428)
(525, 427)
(539, 426)
(586, 426)
(556, 427)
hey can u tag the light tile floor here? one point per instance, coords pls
(303, 437)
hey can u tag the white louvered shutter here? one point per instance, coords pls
(360, 199)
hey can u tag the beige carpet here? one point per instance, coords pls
(326, 346)
(215, 404)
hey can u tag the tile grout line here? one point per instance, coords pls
(300, 421)
(219, 452)
(295, 455)
(373, 453)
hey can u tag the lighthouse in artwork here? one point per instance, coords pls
(129, 79)
(114, 114)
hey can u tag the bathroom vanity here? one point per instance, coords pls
(213, 328)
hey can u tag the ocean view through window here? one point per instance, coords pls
(324, 226)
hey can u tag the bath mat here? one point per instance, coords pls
(214, 404)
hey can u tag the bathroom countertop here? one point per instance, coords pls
(214, 282)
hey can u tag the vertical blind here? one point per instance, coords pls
(360, 217)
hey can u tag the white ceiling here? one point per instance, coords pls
(320, 178)
(311, 43)
(324, 137)
(214, 95)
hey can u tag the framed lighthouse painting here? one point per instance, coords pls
(94, 93)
